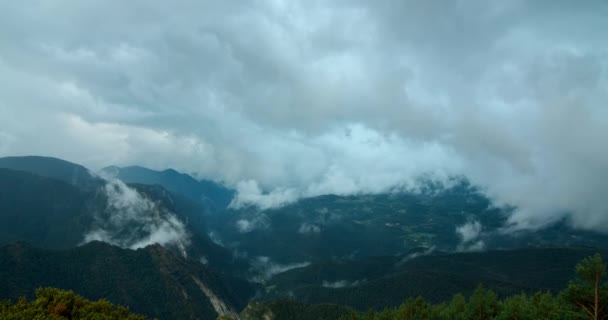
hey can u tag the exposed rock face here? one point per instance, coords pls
(220, 307)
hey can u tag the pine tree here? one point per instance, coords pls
(589, 292)
(483, 304)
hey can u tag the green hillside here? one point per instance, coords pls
(328, 227)
(151, 281)
(54, 214)
(46, 212)
(385, 282)
(585, 296)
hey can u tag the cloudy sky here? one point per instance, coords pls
(301, 98)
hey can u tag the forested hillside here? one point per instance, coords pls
(386, 281)
(585, 297)
(152, 281)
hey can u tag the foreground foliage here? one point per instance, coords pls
(55, 304)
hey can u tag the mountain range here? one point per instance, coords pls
(171, 246)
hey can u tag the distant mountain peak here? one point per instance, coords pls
(53, 168)
(212, 195)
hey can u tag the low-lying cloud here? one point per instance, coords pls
(341, 283)
(309, 229)
(130, 220)
(470, 234)
(415, 255)
(256, 222)
(264, 268)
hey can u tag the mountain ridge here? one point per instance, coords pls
(214, 196)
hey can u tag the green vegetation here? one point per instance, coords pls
(383, 282)
(53, 213)
(586, 297)
(288, 309)
(151, 281)
(361, 226)
(46, 212)
(55, 304)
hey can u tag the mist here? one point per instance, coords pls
(131, 220)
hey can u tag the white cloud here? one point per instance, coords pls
(341, 284)
(415, 255)
(256, 222)
(307, 98)
(244, 226)
(265, 268)
(130, 220)
(470, 233)
(308, 228)
(248, 192)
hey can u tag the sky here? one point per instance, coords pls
(289, 99)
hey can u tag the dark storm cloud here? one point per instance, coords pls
(307, 98)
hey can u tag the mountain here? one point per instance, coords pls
(54, 168)
(152, 281)
(381, 282)
(43, 211)
(212, 195)
(361, 251)
(328, 227)
(55, 214)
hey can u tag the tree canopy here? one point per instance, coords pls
(56, 304)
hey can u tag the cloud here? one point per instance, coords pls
(308, 228)
(265, 269)
(130, 220)
(470, 233)
(362, 161)
(216, 238)
(249, 193)
(341, 284)
(331, 97)
(256, 222)
(415, 255)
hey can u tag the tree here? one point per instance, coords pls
(55, 304)
(516, 308)
(545, 306)
(456, 309)
(483, 304)
(589, 292)
(414, 309)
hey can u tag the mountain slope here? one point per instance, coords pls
(212, 195)
(151, 281)
(53, 214)
(46, 212)
(317, 229)
(387, 281)
(54, 168)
